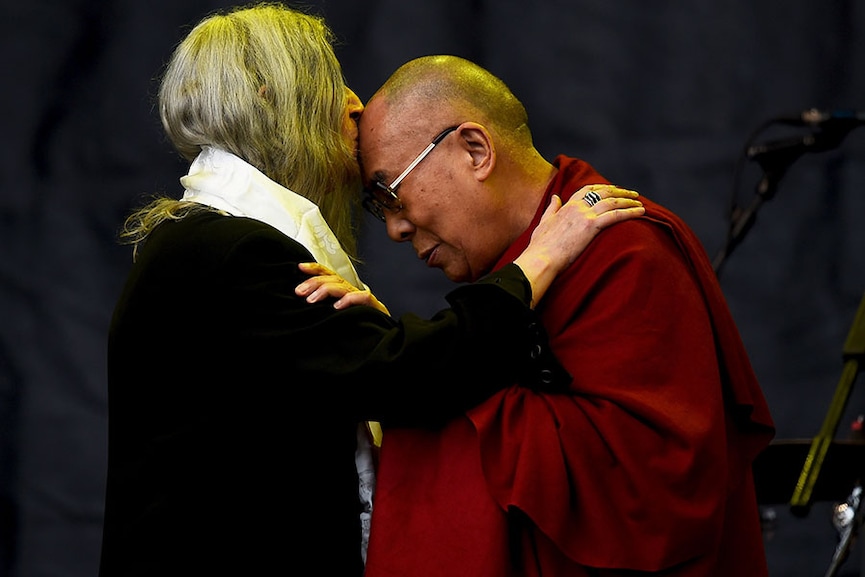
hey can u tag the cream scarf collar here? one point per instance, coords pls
(225, 182)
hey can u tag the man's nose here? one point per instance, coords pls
(399, 228)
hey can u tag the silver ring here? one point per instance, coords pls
(592, 198)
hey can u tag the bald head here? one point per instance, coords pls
(445, 147)
(445, 90)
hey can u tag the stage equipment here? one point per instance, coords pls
(848, 517)
(830, 470)
(826, 131)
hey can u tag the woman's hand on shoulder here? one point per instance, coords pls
(565, 230)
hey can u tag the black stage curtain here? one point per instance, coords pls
(661, 96)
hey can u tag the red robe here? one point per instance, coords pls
(644, 466)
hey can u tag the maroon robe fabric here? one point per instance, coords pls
(645, 466)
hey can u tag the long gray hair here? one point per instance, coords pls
(262, 82)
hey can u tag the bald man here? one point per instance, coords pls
(644, 466)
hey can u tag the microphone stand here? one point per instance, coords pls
(775, 157)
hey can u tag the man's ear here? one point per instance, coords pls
(478, 142)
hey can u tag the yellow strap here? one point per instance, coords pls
(375, 433)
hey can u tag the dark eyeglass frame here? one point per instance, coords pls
(380, 196)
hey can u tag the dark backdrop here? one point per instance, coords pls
(660, 96)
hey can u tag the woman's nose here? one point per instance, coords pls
(354, 105)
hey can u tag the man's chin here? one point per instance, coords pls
(455, 276)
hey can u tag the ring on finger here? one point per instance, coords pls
(592, 198)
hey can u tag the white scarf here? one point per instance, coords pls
(223, 181)
(228, 183)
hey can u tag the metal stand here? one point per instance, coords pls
(775, 163)
(853, 355)
(775, 158)
(827, 132)
(847, 515)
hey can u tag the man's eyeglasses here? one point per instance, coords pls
(380, 196)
